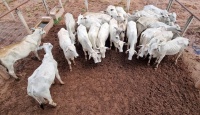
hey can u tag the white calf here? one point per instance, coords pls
(40, 81)
(101, 16)
(86, 44)
(111, 10)
(132, 39)
(114, 35)
(67, 46)
(10, 54)
(171, 47)
(70, 25)
(93, 34)
(87, 21)
(102, 37)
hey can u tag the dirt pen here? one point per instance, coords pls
(114, 86)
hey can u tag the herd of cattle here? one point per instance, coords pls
(154, 29)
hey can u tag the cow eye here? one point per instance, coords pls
(111, 9)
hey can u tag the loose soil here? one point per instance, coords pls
(114, 86)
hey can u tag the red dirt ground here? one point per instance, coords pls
(115, 86)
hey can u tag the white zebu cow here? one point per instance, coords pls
(171, 47)
(87, 21)
(102, 37)
(86, 44)
(93, 34)
(101, 16)
(111, 10)
(122, 22)
(40, 81)
(70, 25)
(67, 46)
(159, 11)
(11, 53)
(150, 36)
(145, 22)
(132, 39)
(114, 35)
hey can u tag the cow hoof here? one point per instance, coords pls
(17, 79)
(148, 64)
(62, 83)
(155, 68)
(42, 106)
(54, 104)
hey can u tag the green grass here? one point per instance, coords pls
(57, 21)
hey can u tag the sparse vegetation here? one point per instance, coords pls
(57, 21)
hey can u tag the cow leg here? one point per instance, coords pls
(127, 46)
(110, 44)
(179, 54)
(149, 60)
(69, 63)
(58, 77)
(36, 54)
(85, 54)
(47, 96)
(159, 60)
(12, 72)
(73, 61)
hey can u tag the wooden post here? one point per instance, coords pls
(187, 24)
(60, 2)
(169, 5)
(86, 5)
(128, 5)
(46, 7)
(23, 20)
(6, 4)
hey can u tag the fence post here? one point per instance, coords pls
(187, 24)
(169, 5)
(128, 5)
(23, 20)
(60, 2)
(46, 7)
(6, 4)
(86, 5)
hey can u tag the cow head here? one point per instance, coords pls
(131, 53)
(72, 50)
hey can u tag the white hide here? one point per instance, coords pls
(102, 37)
(132, 39)
(171, 47)
(67, 46)
(86, 44)
(114, 35)
(40, 81)
(87, 21)
(93, 33)
(101, 16)
(70, 25)
(111, 10)
(11, 53)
